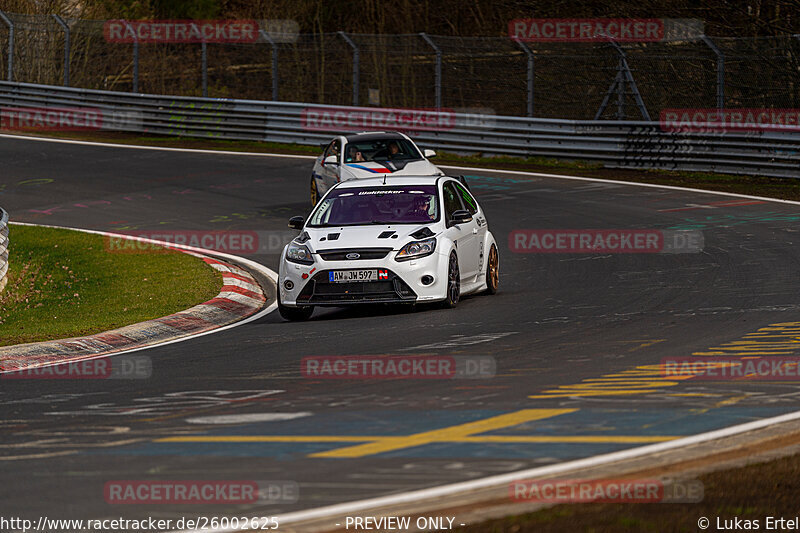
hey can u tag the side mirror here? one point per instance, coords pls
(428, 153)
(298, 222)
(331, 160)
(459, 217)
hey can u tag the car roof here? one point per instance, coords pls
(389, 181)
(374, 136)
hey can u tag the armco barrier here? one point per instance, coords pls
(612, 143)
(3, 248)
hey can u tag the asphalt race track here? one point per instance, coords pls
(558, 321)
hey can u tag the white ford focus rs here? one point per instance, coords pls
(388, 240)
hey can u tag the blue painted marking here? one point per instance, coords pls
(645, 422)
(381, 423)
(281, 451)
(600, 422)
(557, 451)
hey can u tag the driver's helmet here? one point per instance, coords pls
(422, 203)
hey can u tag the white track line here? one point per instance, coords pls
(446, 490)
(269, 273)
(427, 495)
(631, 183)
(158, 148)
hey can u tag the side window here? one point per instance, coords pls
(451, 201)
(469, 201)
(333, 149)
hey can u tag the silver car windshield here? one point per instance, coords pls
(351, 206)
(381, 150)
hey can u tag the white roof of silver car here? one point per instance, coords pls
(378, 181)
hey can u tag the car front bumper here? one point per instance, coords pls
(403, 283)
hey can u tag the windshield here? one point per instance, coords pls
(412, 204)
(381, 150)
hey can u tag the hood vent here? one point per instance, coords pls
(333, 236)
(386, 234)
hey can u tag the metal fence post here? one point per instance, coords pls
(135, 58)
(528, 52)
(622, 78)
(620, 90)
(10, 25)
(66, 47)
(353, 45)
(267, 38)
(438, 78)
(720, 71)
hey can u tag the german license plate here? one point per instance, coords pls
(345, 276)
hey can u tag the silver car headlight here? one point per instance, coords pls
(299, 253)
(416, 249)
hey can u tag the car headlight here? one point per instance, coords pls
(299, 253)
(416, 249)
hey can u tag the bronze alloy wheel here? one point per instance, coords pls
(492, 271)
(314, 193)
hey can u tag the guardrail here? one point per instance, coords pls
(3, 248)
(615, 144)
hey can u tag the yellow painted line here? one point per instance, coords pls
(486, 439)
(646, 344)
(729, 401)
(444, 434)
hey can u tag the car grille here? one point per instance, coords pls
(364, 253)
(320, 291)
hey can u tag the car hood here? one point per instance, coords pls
(371, 169)
(393, 236)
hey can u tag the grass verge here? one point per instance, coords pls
(752, 492)
(65, 283)
(785, 188)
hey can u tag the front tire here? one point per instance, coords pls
(492, 271)
(314, 192)
(294, 314)
(453, 282)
